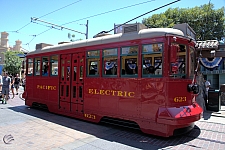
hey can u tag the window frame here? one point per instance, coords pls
(50, 66)
(108, 56)
(27, 70)
(34, 66)
(98, 65)
(152, 60)
(179, 55)
(128, 55)
(42, 66)
(191, 69)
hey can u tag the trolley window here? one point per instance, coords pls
(93, 63)
(110, 62)
(45, 66)
(129, 61)
(54, 65)
(191, 62)
(37, 66)
(152, 60)
(178, 68)
(30, 67)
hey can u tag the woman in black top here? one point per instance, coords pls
(17, 83)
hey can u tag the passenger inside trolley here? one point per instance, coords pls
(131, 66)
(151, 69)
(93, 68)
(155, 69)
(45, 72)
(55, 71)
(110, 68)
(30, 71)
(178, 68)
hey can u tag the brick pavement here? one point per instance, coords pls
(34, 129)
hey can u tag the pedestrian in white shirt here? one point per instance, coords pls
(207, 85)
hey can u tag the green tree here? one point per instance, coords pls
(12, 62)
(207, 22)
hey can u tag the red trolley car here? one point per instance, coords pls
(141, 76)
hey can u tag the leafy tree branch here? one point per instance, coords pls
(12, 62)
(207, 22)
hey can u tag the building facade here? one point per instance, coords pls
(212, 61)
(4, 46)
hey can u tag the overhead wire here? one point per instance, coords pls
(108, 12)
(52, 27)
(60, 8)
(138, 17)
(55, 26)
(20, 33)
(56, 20)
(17, 31)
(23, 26)
(48, 14)
(86, 17)
(40, 24)
(101, 14)
(146, 13)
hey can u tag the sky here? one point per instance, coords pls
(73, 14)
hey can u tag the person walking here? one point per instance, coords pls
(17, 83)
(0, 82)
(12, 86)
(200, 97)
(24, 83)
(207, 86)
(5, 87)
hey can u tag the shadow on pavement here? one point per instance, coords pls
(130, 137)
(207, 115)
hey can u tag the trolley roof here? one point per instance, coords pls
(120, 37)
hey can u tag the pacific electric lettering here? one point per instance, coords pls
(111, 93)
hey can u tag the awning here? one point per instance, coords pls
(210, 64)
(21, 55)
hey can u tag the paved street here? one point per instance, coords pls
(27, 128)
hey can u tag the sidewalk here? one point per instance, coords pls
(17, 100)
(221, 113)
(27, 128)
(216, 117)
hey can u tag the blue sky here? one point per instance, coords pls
(16, 16)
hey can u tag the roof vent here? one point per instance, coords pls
(42, 45)
(129, 28)
(186, 29)
(62, 42)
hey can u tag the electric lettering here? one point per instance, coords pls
(111, 93)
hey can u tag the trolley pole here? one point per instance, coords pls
(87, 30)
(36, 19)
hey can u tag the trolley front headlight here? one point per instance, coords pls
(193, 88)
